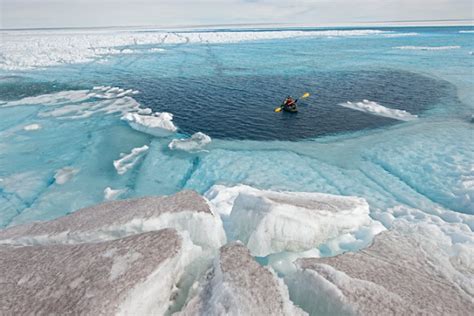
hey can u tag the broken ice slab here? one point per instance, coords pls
(185, 211)
(238, 285)
(136, 275)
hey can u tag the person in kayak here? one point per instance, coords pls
(289, 103)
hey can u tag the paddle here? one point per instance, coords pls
(304, 96)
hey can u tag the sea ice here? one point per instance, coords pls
(238, 285)
(195, 143)
(380, 110)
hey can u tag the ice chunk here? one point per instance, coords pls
(403, 273)
(238, 285)
(111, 194)
(197, 142)
(32, 127)
(271, 222)
(159, 124)
(128, 161)
(131, 276)
(65, 174)
(185, 211)
(380, 110)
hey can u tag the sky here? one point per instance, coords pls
(173, 13)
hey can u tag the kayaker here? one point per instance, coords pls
(289, 101)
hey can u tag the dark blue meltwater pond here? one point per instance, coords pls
(242, 107)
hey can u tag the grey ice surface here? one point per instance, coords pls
(238, 285)
(97, 218)
(83, 279)
(394, 276)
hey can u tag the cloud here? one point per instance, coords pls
(78, 13)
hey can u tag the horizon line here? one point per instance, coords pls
(288, 25)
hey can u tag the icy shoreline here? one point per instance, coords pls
(171, 254)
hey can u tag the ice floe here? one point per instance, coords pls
(32, 127)
(136, 275)
(428, 47)
(380, 110)
(65, 174)
(403, 272)
(128, 161)
(31, 49)
(158, 124)
(195, 143)
(269, 222)
(238, 285)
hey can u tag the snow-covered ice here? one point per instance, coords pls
(31, 49)
(378, 109)
(196, 142)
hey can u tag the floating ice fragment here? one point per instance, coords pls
(110, 194)
(380, 110)
(197, 142)
(158, 124)
(128, 161)
(428, 47)
(32, 127)
(65, 174)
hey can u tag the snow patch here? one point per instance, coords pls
(128, 161)
(158, 124)
(380, 110)
(65, 175)
(195, 143)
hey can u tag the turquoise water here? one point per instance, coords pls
(228, 91)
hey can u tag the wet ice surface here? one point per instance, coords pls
(62, 128)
